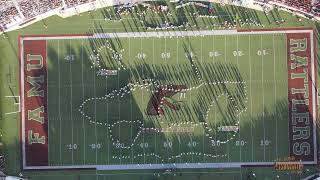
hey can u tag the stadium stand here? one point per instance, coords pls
(7, 16)
(22, 12)
(307, 8)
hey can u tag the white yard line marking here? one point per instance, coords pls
(59, 102)
(225, 60)
(203, 143)
(264, 129)
(166, 34)
(239, 92)
(108, 135)
(95, 113)
(178, 67)
(82, 117)
(71, 113)
(250, 86)
(131, 106)
(314, 97)
(275, 91)
(144, 153)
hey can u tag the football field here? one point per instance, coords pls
(188, 99)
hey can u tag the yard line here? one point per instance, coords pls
(59, 102)
(83, 126)
(165, 48)
(178, 52)
(215, 132)
(239, 114)
(264, 129)
(179, 146)
(155, 135)
(153, 51)
(119, 124)
(71, 114)
(190, 92)
(95, 110)
(225, 59)
(275, 90)
(155, 145)
(204, 132)
(130, 106)
(250, 74)
(144, 156)
(108, 136)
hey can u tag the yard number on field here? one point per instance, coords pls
(165, 55)
(262, 52)
(72, 146)
(238, 53)
(240, 143)
(144, 145)
(192, 144)
(167, 144)
(189, 55)
(265, 142)
(95, 146)
(70, 57)
(215, 142)
(141, 56)
(118, 145)
(214, 54)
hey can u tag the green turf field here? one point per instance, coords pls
(71, 131)
(231, 80)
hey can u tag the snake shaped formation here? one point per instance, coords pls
(153, 86)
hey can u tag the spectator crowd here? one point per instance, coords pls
(308, 8)
(19, 11)
(24, 10)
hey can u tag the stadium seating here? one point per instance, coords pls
(9, 10)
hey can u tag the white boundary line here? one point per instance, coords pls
(22, 104)
(314, 98)
(163, 34)
(164, 166)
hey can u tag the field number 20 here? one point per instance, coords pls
(238, 53)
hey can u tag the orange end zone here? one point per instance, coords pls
(33, 85)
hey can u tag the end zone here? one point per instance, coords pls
(302, 96)
(34, 122)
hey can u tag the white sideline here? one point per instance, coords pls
(169, 34)
(163, 166)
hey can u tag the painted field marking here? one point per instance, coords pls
(250, 86)
(264, 129)
(59, 101)
(239, 119)
(275, 90)
(83, 124)
(71, 104)
(15, 104)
